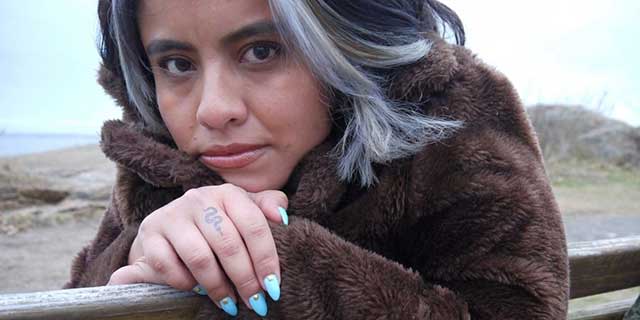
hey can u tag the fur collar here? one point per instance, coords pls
(314, 188)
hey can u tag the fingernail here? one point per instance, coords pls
(199, 290)
(259, 304)
(273, 286)
(229, 306)
(284, 216)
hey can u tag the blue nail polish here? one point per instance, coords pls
(199, 290)
(284, 216)
(259, 304)
(273, 286)
(229, 306)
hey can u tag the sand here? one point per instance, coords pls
(50, 207)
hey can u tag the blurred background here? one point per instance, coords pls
(573, 62)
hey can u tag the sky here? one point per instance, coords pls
(571, 52)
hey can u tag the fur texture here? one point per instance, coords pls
(466, 229)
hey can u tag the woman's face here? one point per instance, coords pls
(228, 92)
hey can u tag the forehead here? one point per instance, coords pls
(198, 19)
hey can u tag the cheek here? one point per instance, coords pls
(307, 114)
(307, 120)
(177, 117)
(313, 111)
(167, 105)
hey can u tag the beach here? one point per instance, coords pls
(50, 206)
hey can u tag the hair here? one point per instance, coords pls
(361, 41)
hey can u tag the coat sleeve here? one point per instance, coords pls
(488, 243)
(491, 231)
(108, 251)
(326, 277)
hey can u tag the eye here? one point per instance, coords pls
(261, 53)
(176, 66)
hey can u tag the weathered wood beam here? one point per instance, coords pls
(596, 267)
(138, 301)
(604, 265)
(605, 311)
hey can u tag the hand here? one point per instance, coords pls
(179, 243)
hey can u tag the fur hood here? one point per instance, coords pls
(467, 228)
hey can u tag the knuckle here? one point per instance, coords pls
(117, 275)
(179, 280)
(145, 232)
(229, 248)
(258, 231)
(198, 260)
(247, 284)
(267, 263)
(218, 290)
(139, 269)
(157, 264)
(193, 194)
(231, 188)
(146, 225)
(153, 222)
(143, 228)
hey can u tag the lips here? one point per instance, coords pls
(233, 156)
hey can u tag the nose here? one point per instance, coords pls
(221, 103)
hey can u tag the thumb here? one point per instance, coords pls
(138, 272)
(273, 204)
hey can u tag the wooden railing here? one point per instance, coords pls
(596, 267)
(603, 266)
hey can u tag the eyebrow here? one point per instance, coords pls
(264, 27)
(161, 46)
(259, 28)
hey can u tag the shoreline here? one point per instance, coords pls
(23, 144)
(46, 188)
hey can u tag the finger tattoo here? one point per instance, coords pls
(212, 216)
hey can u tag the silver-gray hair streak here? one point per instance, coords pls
(377, 130)
(132, 62)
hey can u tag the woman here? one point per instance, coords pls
(413, 179)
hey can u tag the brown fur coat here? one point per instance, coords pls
(468, 228)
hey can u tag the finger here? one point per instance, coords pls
(164, 261)
(136, 249)
(195, 253)
(273, 203)
(229, 248)
(252, 224)
(138, 272)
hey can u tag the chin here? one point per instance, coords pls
(255, 184)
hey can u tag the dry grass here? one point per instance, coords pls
(583, 187)
(568, 133)
(589, 187)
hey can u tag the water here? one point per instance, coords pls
(14, 144)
